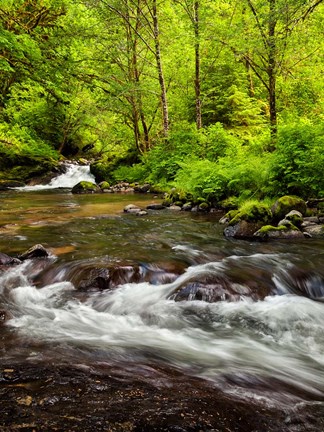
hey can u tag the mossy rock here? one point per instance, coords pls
(33, 168)
(281, 232)
(84, 187)
(231, 214)
(167, 202)
(295, 217)
(285, 204)
(255, 213)
(104, 185)
(242, 230)
(230, 203)
(6, 184)
(203, 207)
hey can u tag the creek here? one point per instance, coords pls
(245, 317)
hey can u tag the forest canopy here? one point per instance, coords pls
(218, 99)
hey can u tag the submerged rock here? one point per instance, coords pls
(4, 316)
(86, 277)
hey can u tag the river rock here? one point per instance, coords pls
(103, 278)
(187, 206)
(285, 204)
(36, 251)
(6, 260)
(175, 208)
(280, 232)
(315, 230)
(242, 229)
(154, 206)
(142, 213)
(142, 188)
(4, 316)
(84, 187)
(132, 208)
(295, 217)
(7, 184)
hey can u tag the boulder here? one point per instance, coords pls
(36, 251)
(285, 204)
(314, 230)
(254, 213)
(295, 217)
(7, 184)
(242, 229)
(243, 223)
(104, 186)
(8, 260)
(106, 278)
(280, 232)
(4, 316)
(85, 187)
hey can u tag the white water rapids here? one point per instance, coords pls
(280, 338)
(73, 175)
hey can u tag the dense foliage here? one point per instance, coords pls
(221, 100)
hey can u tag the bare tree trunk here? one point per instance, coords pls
(164, 101)
(197, 65)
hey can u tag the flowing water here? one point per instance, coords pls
(163, 289)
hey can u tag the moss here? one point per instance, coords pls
(101, 171)
(167, 202)
(104, 185)
(31, 168)
(231, 214)
(230, 203)
(295, 219)
(287, 203)
(85, 187)
(252, 212)
(203, 206)
(288, 225)
(267, 228)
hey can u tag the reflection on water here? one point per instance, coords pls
(166, 288)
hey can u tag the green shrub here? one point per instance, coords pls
(297, 166)
(131, 174)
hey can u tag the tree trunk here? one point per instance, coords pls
(197, 65)
(272, 69)
(164, 101)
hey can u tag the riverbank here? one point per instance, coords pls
(36, 398)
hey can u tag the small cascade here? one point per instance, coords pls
(73, 175)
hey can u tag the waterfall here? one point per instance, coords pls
(73, 175)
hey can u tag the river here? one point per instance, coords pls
(165, 290)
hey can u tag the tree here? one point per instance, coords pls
(274, 23)
(25, 27)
